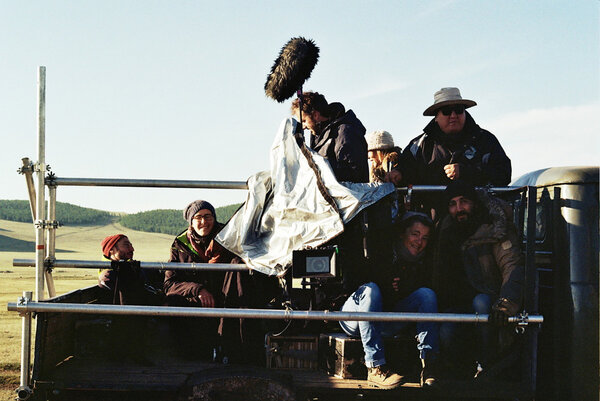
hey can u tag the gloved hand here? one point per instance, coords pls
(501, 310)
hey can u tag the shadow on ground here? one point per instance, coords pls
(8, 244)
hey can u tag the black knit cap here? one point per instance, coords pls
(193, 208)
(460, 188)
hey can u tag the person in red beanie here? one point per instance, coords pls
(114, 247)
(127, 283)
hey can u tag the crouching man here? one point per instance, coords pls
(479, 267)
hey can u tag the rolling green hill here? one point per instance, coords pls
(166, 221)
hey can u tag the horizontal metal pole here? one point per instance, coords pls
(441, 188)
(91, 264)
(255, 313)
(121, 182)
(152, 183)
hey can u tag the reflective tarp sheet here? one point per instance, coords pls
(285, 210)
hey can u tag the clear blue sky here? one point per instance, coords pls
(174, 89)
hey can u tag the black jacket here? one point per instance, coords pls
(481, 157)
(342, 142)
(188, 284)
(413, 274)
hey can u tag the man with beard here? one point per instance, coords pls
(336, 134)
(125, 283)
(478, 266)
(452, 146)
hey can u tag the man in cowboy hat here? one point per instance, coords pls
(453, 146)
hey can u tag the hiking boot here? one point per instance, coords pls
(383, 377)
(429, 373)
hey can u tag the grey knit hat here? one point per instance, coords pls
(379, 140)
(190, 210)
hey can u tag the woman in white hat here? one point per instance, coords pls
(384, 158)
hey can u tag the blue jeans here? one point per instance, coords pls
(368, 299)
(481, 304)
(422, 300)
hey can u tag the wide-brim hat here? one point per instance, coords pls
(447, 97)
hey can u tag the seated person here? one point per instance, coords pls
(127, 283)
(399, 287)
(478, 268)
(196, 245)
(384, 158)
(209, 289)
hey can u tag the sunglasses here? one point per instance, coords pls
(449, 109)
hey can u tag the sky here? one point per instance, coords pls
(174, 89)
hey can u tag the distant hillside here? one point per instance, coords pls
(166, 221)
(169, 221)
(18, 210)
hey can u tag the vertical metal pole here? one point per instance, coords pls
(41, 171)
(531, 287)
(51, 239)
(25, 343)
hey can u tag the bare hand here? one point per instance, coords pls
(206, 299)
(452, 171)
(394, 177)
(396, 284)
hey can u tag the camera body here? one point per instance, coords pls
(315, 262)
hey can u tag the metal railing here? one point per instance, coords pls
(45, 259)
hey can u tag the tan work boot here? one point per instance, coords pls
(384, 378)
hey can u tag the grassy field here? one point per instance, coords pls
(17, 241)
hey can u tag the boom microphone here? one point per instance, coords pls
(292, 68)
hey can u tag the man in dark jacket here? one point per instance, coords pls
(453, 146)
(478, 263)
(196, 245)
(125, 283)
(336, 134)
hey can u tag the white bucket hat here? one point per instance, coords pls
(379, 140)
(446, 97)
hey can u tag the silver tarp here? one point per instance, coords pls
(286, 211)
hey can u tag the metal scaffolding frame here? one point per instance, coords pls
(45, 259)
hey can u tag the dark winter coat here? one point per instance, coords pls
(342, 142)
(480, 156)
(413, 274)
(188, 284)
(488, 261)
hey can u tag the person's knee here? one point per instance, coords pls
(482, 303)
(428, 299)
(369, 295)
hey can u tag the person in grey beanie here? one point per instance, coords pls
(196, 245)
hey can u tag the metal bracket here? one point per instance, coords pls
(49, 264)
(26, 169)
(50, 179)
(522, 323)
(408, 197)
(24, 392)
(23, 302)
(44, 224)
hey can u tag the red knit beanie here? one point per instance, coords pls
(108, 243)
